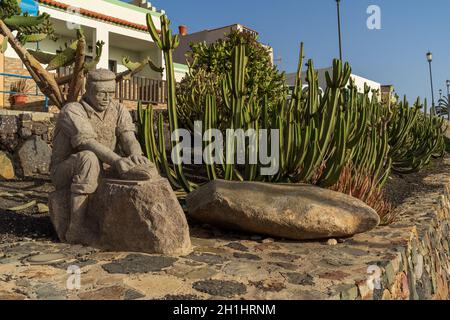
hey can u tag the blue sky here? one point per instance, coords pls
(393, 55)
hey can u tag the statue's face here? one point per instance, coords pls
(100, 94)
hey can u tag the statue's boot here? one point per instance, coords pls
(78, 231)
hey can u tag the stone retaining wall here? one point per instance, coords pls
(16, 128)
(414, 260)
(18, 125)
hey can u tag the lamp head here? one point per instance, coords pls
(429, 57)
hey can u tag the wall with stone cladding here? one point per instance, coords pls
(414, 260)
(18, 127)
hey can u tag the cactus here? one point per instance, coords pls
(9, 8)
(98, 52)
(42, 57)
(65, 58)
(19, 22)
(423, 140)
(35, 37)
(343, 139)
(35, 29)
(136, 67)
(167, 43)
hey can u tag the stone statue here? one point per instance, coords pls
(95, 138)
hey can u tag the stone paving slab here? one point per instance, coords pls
(233, 266)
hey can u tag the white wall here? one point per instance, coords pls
(359, 81)
(135, 15)
(181, 71)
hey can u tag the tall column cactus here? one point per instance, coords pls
(167, 43)
(233, 93)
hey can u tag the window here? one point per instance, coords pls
(112, 65)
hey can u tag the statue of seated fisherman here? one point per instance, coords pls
(94, 138)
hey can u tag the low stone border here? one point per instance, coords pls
(416, 262)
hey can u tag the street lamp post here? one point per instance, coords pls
(338, 3)
(430, 59)
(440, 94)
(448, 99)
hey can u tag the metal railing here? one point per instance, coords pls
(36, 93)
(135, 89)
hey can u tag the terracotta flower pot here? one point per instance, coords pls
(183, 30)
(18, 99)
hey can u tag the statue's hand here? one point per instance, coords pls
(123, 165)
(136, 168)
(140, 160)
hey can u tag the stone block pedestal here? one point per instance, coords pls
(136, 216)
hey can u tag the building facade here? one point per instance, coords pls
(121, 26)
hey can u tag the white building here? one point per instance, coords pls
(120, 25)
(359, 81)
(208, 36)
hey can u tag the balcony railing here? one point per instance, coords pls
(135, 89)
(143, 89)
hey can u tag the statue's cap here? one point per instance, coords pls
(100, 75)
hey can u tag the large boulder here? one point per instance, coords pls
(35, 156)
(132, 216)
(6, 167)
(298, 212)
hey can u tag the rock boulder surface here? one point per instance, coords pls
(136, 216)
(298, 212)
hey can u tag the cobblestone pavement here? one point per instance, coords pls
(222, 266)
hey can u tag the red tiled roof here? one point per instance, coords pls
(96, 15)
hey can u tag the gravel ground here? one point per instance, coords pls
(402, 186)
(30, 224)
